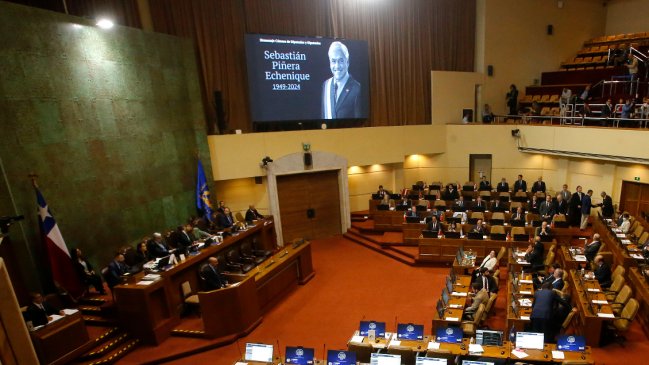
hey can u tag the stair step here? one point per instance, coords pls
(106, 347)
(90, 309)
(116, 354)
(188, 333)
(108, 333)
(97, 301)
(99, 321)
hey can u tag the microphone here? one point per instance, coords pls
(324, 353)
(239, 349)
(279, 350)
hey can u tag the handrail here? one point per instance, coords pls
(579, 121)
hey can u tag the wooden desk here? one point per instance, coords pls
(444, 250)
(590, 315)
(545, 355)
(61, 341)
(493, 352)
(568, 261)
(520, 321)
(640, 289)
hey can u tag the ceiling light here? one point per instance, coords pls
(105, 23)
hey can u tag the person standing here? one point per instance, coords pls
(607, 205)
(586, 205)
(542, 310)
(512, 100)
(574, 207)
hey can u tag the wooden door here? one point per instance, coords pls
(309, 205)
(634, 197)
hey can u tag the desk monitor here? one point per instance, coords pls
(440, 308)
(456, 220)
(468, 188)
(430, 197)
(452, 234)
(410, 219)
(517, 223)
(378, 327)
(546, 238)
(259, 352)
(449, 334)
(385, 359)
(413, 196)
(489, 337)
(521, 237)
(473, 362)
(402, 207)
(475, 236)
(445, 296)
(449, 284)
(429, 234)
(340, 357)
(299, 355)
(461, 249)
(409, 331)
(430, 361)
(395, 196)
(537, 223)
(421, 208)
(499, 236)
(459, 257)
(571, 343)
(382, 207)
(452, 275)
(376, 197)
(529, 340)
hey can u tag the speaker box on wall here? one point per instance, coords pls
(258, 180)
(490, 70)
(308, 159)
(550, 29)
(220, 114)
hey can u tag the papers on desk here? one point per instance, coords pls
(606, 315)
(637, 256)
(144, 282)
(69, 312)
(525, 302)
(241, 363)
(473, 347)
(395, 343)
(456, 294)
(432, 345)
(596, 301)
(625, 242)
(519, 354)
(524, 292)
(357, 339)
(455, 306)
(54, 318)
(151, 277)
(525, 318)
(593, 290)
(558, 355)
(522, 262)
(581, 258)
(523, 281)
(620, 235)
(451, 319)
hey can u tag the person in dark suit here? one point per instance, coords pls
(557, 279)
(157, 247)
(586, 205)
(436, 213)
(607, 205)
(221, 207)
(116, 269)
(602, 272)
(485, 185)
(479, 205)
(450, 193)
(433, 225)
(486, 280)
(520, 184)
(534, 204)
(534, 254)
(39, 311)
(142, 252)
(591, 249)
(478, 228)
(498, 206)
(459, 205)
(412, 212)
(543, 230)
(210, 273)
(252, 214)
(502, 186)
(85, 271)
(546, 209)
(184, 237)
(341, 94)
(518, 215)
(539, 280)
(226, 220)
(574, 208)
(543, 310)
(561, 205)
(381, 192)
(539, 185)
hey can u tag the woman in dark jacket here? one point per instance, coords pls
(85, 271)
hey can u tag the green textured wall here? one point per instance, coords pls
(110, 120)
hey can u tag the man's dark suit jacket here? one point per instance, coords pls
(252, 215)
(479, 208)
(184, 239)
(543, 304)
(546, 209)
(535, 258)
(226, 221)
(213, 278)
(520, 185)
(560, 208)
(500, 208)
(586, 204)
(558, 284)
(607, 207)
(39, 316)
(484, 185)
(349, 104)
(502, 188)
(156, 251)
(115, 272)
(591, 251)
(451, 195)
(434, 227)
(538, 186)
(603, 275)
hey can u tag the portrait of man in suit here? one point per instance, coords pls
(341, 94)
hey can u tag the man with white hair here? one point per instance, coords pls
(157, 247)
(341, 94)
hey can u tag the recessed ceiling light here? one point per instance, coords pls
(105, 23)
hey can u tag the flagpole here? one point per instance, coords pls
(13, 204)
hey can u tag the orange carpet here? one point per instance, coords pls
(351, 283)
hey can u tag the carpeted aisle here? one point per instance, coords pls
(351, 283)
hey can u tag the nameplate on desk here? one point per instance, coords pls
(625, 242)
(525, 318)
(475, 348)
(241, 363)
(558, 355)
(580, 258)
(357, 339)
(525, 292)
(69, 312)
(459, 294)
(395, 343)
(524, 281)
(451, 319)
(606, 315)
(455, 306)
(620, 235)
(519, 354)
(595, 301)
(522, 262)
(593, 290)
(637, 256)
(433, 345)
(525, 302)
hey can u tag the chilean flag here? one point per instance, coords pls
(63, 272)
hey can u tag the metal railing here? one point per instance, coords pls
(581, 121)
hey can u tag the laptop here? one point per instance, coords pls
(529, 340)
(489, 338)
(340, 357)
(430, 361)
(521, 237)
(382, 207)
(449, 334)
(517, 223)
(410, 219)
(546, 238)
(376, 197)
(452, 234)
(299, 355)
(258, 352)
(571, 343)
(429, 234)
(377, 327)
(475, 236)
(498, 236)
(409, 331)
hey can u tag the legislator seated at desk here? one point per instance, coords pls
(116, 270)
(533, 205)
(434, 225)
(157, 247)
(602, 271)
(591, 249)
(211, 276)
(499, 206)
(252, 214)
(547, 209)
(503, 186)
(479, 205)
(480, 296)
(460, 205)
(517, 217)
(485, 185)
(40, 312)
(183, 238)
(543, 231)
(534, 254)
(225, 219)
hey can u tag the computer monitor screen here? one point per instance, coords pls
(449, 284)
(259, 352)
(529, 340)
(440, 308)
(489, 338)
(385, 359)
(378, 327)
(431, 361)
(339, 357)
(449, 334)
(473, 362)
(452, 275)
(409, 331)
(571, 343)
(459, 258)
(299, 355)
(445, 296)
